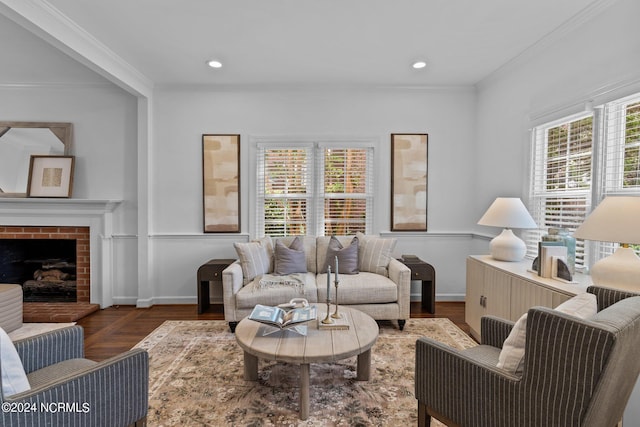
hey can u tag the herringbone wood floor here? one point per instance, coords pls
(116, 329)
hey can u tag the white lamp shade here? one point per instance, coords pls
(616, 219)
(507, 212)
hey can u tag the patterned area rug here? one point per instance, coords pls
(196, 379)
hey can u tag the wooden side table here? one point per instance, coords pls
(209, 272)
(424, 272)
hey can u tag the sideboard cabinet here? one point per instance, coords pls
(508, 290)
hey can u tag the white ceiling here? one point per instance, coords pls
(333, 42)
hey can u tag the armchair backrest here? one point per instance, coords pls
(596, 358)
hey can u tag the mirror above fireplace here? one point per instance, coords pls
(20, 140)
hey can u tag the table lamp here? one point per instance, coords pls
(507, 212)
(616, 219)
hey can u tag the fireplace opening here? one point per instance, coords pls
(46, 268)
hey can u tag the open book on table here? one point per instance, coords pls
(281, 318)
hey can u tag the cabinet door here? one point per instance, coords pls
(475, 289)
(526, 294)
(497, 292)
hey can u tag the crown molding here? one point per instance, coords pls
(321, 87)
(546, 41)
(48, 23)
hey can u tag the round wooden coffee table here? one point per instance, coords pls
(318, 346)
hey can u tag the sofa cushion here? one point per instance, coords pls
(256, 258)
(14, 377)
(374, 253)
(322, 244)
(253, 293)
(289, 259)
(361, 288)
(347, 256)
(309, 247)
(512, 355)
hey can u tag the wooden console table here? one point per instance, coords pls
(210, 272)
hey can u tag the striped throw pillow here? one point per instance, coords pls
(375, 253)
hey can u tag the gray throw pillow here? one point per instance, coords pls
(347, 257)
(289, 260)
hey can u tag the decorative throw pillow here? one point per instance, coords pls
(289, 260)
(512, 355)
(14, 378)
(347, 257)
(256, 258)
(374, 253)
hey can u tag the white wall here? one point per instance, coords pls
(181, 116)
(556, 77)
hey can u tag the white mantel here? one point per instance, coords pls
(95, 214)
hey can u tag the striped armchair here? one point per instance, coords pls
(68, 390)
(576, 372)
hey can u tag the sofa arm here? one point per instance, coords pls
(400, 274)
(46, 349)
(231, 284)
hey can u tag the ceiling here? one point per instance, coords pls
(303, 42)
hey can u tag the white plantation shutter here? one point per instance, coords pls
(560, 191)
(345, 189)
(285, 190)
(314, 188)
(621, 156)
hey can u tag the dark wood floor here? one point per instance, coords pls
(116, 329)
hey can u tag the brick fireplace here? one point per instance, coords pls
(89, 221)
(81, 235)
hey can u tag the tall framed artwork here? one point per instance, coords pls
(221, 183)
(409, 191)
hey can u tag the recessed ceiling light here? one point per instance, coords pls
(214, 63)
(419, 64)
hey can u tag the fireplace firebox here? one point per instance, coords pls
(51, 263)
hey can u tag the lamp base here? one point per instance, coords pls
(620, 270)
(507, 247)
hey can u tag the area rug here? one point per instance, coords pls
(196, 379)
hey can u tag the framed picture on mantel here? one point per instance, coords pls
(409, 182)
(50, 176)
(221, 183)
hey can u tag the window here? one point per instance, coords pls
(315, 189)
(574, 166)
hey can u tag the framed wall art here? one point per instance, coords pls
(221, 183)
(409, 182)
(50, 176)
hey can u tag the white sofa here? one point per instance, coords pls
(383, 294)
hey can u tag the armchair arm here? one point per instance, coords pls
(495, 330)
(608, 296)
(466, 391)
(231, 284)
(110, 393)
(42, 350)
(400, 274)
